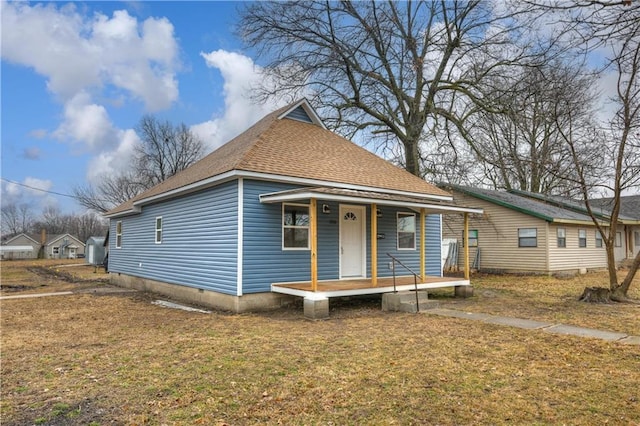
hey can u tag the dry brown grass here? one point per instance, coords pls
(89, 359)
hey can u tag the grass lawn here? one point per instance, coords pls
(117, 359)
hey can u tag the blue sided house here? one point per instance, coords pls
(286, 209)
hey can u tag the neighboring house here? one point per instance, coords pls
(524, 232)
(63, 246)
(95, 250)
(629, 207)
(285, 208)
(21, 246)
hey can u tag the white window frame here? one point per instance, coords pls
(598, 239)
(582, 232)
(307, 227)
(562, 237)
(520, 238)
(119, 234)
(398, 231)
(158, 231)
(55, 250)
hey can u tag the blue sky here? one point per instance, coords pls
(77, 77)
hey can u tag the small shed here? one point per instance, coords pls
(95, 250)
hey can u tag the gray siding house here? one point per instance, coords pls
(59, 246)
(286, 208)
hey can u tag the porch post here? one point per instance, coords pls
(374, 245)
(423, 243)
(313, 230)
(466, 246)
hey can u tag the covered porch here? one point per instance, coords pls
(316, 293)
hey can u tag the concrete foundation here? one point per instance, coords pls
(246, 303)
(464, 291)
(316, 309)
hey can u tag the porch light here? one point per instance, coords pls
(326, 209)
(378, 213)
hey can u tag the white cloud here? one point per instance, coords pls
(30, 191)
(115, 160)
(85, 58)
(86, 123)
(76, 52)
(240, 74)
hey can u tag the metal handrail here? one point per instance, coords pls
(415, 277)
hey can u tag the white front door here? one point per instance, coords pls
(352, 241)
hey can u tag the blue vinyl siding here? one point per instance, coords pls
(387, 225)
(434, 245)
(265, 262)
(199, 242)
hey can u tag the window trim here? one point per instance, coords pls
(471, 239)
(119, 234)
(520, 238)
(562, 238)
(618, 240)
(580, 239)
(308, 227)
(415, 233)
(598, 239)
(158, 230)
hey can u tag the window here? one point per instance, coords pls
(527, 237)
(636, 238)
(56, 250)
(598, 239)
(119, 234)
(406, 231)
(562, 237)
(618, 242)
(582, 238)
(473, 238)
(158, 229)
(295, 227)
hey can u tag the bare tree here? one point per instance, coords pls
(520, 145)
(614, 26)
(395, 69)
(16, 219)
(164, 150)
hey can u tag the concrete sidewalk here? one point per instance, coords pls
(538, 325)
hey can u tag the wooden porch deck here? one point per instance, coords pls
(339, 288)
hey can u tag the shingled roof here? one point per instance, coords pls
(629, 205)
(282, 145)
(526, 205)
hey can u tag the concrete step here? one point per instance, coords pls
(405, 301)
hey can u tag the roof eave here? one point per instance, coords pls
(235, 174)
(303, 195)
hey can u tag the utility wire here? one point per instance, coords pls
(39, 189)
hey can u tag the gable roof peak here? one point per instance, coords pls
(302, 111)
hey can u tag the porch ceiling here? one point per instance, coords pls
(365, 197)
